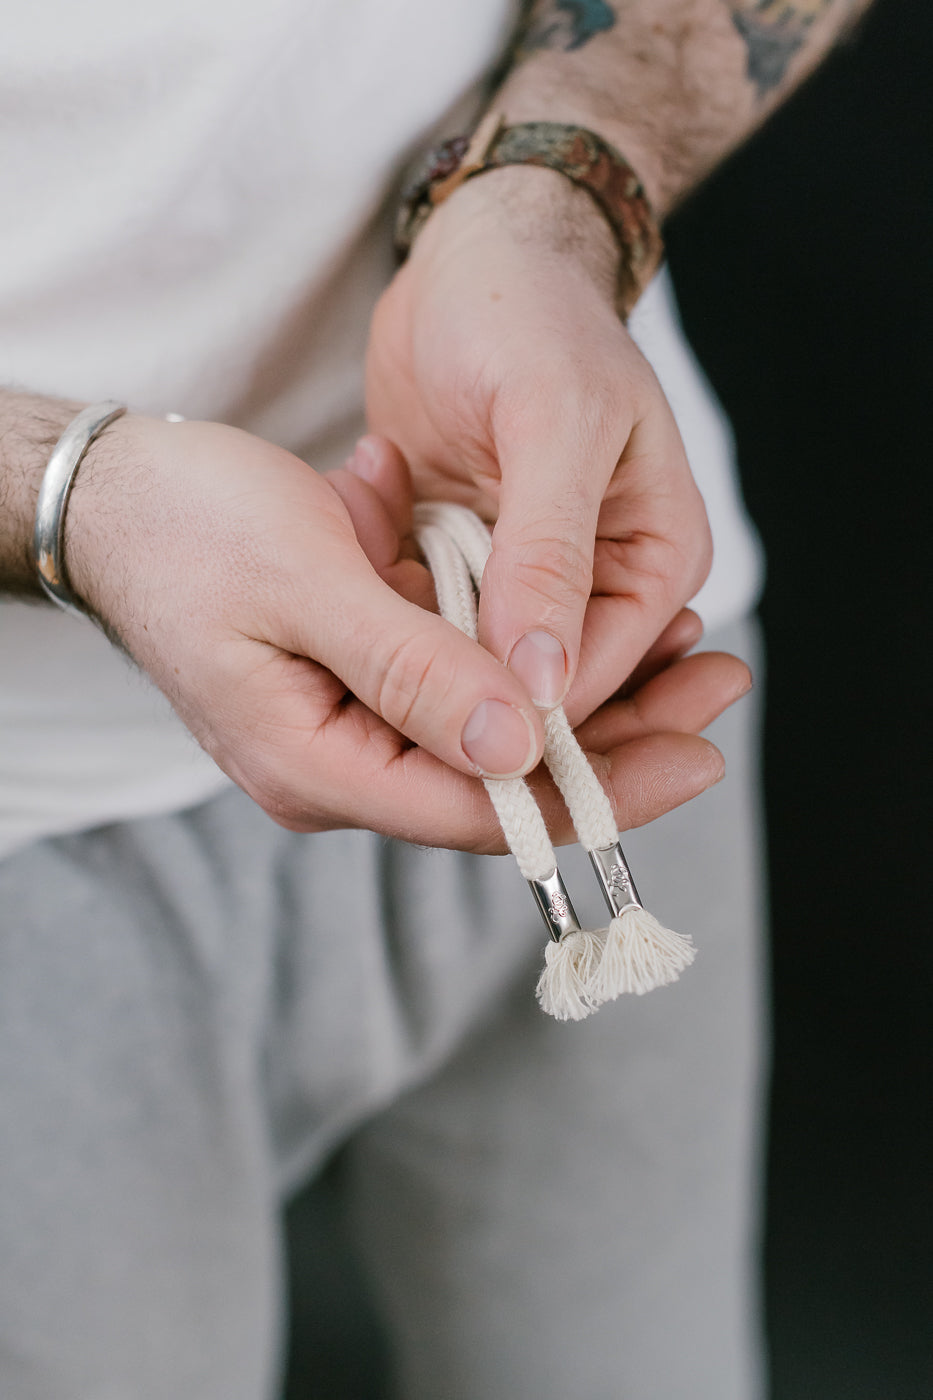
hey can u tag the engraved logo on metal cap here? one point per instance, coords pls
(619, 879)
(557, 907)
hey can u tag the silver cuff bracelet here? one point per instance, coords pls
(48, 535)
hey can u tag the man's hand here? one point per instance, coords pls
(497, 363)
(232, 573)
(281, 613)
(499, 366)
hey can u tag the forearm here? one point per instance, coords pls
(30, 426)
(673, 84)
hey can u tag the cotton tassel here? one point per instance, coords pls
(639, 954)
(571, 969)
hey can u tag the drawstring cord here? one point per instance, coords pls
(582, 969)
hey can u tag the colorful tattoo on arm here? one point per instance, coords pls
(565, 24)
(773, 31)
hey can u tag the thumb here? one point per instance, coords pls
(423, 676)
(539, 576)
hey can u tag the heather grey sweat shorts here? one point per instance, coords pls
(199, 1012)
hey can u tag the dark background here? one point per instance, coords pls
(805, 275)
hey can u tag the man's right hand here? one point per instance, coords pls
(236, 577)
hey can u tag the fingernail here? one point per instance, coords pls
(363, 460)
(540, 663)
(499, 740)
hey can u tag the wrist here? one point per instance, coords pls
(30, 426)
(98, 546)
(534, 208)
(583, 160)
(563, 105)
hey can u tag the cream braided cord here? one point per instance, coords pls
(582, 969)
(518, 813)
(589, 807)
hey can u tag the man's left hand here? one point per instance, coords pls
(500, 368)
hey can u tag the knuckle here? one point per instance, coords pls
(268, 781)
(669, 566)
(696, 539)
(703, 544)
(267, 772)
(558, 571)
(278, 799)
(692, 547)
(415, 669)
(702, 563)
(289, 816)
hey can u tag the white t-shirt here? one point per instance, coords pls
(201, 224)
